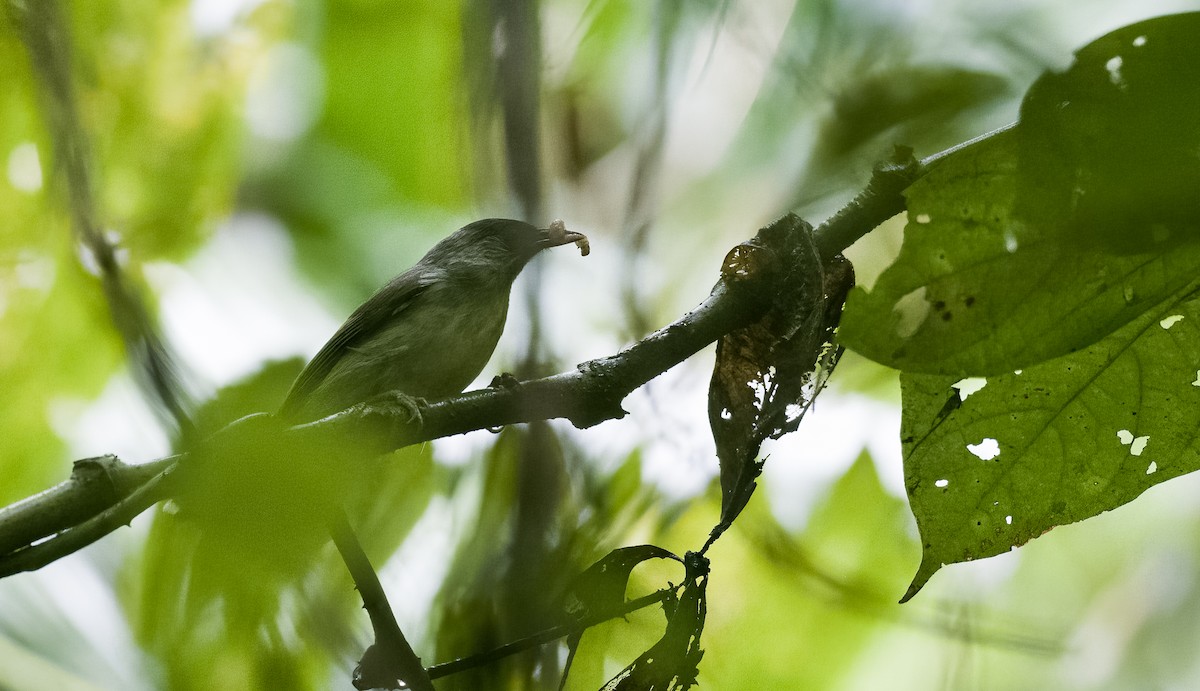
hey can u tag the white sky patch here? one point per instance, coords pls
(74, 601)
(723, 80)
(670, 429)
(462, 449)
(941, 483)
(1197, 382)
(419, 567)
(34, 271)
(1125, 436)
(219, 332)
(923, 218)
(1139, 41)
(118, 422)
(25, 168)
(212, 17)
(1152, 469)
(985, 450)
(667, 426)
(286, 93)
(833, 434)
(1170, 321)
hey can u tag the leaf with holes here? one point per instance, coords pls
(1045, 238)
(672, 663)
(1056, 443)
(601, 587)
(767, 373)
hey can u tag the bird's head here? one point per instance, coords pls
(499, 246)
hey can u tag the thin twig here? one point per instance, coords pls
(45, 32)
(391, 658)
(462, 664)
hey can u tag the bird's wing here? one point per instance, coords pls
(365, 322)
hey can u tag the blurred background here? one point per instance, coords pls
(262, 166)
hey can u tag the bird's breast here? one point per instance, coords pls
(435, 349)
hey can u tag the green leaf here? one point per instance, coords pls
(1066, 246)
(1045, 238)
(1056, 443)
(601, 587)
(1108, 147)
(976, 291)
(671, 664)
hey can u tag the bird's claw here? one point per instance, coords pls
(392, 400)
(504, 380)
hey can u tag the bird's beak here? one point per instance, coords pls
(548, 239)
(557, 234)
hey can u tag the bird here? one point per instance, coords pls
(429, 331)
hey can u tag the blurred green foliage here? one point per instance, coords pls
(164, 133)
(822, 594)
(383, 165)
(349, 123)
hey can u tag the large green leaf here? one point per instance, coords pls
(1056, 443)
(1045, 238)
(1068, 246)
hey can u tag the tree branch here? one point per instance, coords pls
(586, 396)
(95, 485)
(883, 196)
(34, 556)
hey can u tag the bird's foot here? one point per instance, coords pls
(504, 380)
(392, 401)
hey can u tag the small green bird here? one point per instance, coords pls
(429, 331)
